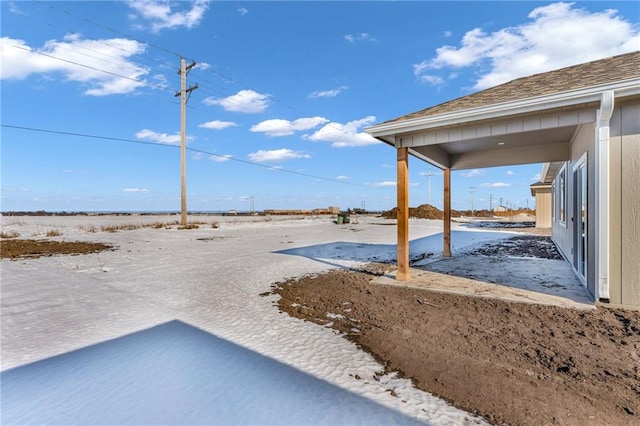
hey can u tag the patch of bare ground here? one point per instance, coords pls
(28, 249)
(516, 364)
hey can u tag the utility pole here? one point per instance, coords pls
(473, 191)
(184, 94)
(429, 174)
(490, 202)
(251, 202)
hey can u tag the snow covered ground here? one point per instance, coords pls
(65, 310)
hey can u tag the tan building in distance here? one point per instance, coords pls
(542, 193)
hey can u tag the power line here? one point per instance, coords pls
(180, 55)
(331, 123)
(264, 166)
(107, 28)
(92, 68)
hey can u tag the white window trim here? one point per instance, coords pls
(562, 193)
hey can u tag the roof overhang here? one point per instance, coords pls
(533, 130)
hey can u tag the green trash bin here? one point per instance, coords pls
(340, 220)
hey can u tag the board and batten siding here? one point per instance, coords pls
(624, 184)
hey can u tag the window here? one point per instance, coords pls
(553, 200)
(562, 196)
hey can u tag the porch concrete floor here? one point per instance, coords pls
(525, 280)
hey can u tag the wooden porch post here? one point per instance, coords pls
(446, 250)
(403, 273)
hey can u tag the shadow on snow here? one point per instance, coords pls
(177, 374)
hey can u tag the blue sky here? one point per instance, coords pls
(282, 85)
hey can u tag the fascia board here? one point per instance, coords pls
(541, 103)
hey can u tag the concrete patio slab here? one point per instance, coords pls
(441, 282)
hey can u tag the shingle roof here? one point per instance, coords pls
(595, 73)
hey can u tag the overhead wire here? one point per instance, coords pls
(93, 68)
(204, 87)
(177, 54)
(136, 141)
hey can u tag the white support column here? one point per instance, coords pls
(602, 196)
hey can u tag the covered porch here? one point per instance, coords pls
(469, 140)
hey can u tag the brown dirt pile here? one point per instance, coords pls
(17, 249)
(424, 211)
(511, 363)
(427, 211)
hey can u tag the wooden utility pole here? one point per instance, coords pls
(184, 94)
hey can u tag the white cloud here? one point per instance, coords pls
(537, 177)
(387, 183)
(13, 8)
(342, 177)
(19, 61)
(220, 158)
(494, 185)
(160, 15)
(135, 190)
(557, 35)
(217, 125)
(276, 155)
(511, 173)
(352, 38)
(387, 166)
(328, 93)
(447, 34)
(383, 184)
(473, 173)
(278, 127)
(246, 101)
(433, 80)
(164, 138)
(243, 11)
(202, 66)
(345, 135)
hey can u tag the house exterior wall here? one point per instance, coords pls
(562, 231)
(624, 204)
(624, 190)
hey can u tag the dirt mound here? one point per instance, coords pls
(424, 211)
(20, 249)
(512, 363)
(427, 211)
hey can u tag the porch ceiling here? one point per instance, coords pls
(526, 138)
(540, 146)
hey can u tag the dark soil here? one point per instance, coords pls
(20, 249)
(521, 246)
(516, 364)
(427, 211)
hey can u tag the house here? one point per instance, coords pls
(583, 123)
(542, 193)
(500, 209)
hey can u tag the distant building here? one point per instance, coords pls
(542, 192)
(500, 209)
